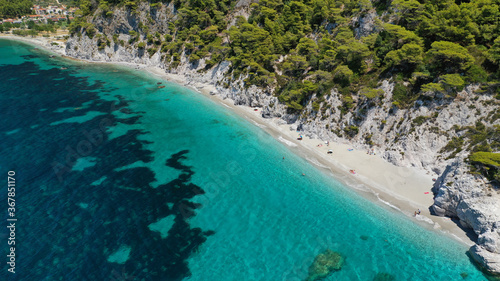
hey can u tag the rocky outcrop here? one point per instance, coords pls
(118, 49)
(477, 205)
(411, 137)
(490, 261)
(325, 264)
(365, 24)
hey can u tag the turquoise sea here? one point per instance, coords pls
(118, 179)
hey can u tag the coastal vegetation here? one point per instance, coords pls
(488, 163)
(30, 28)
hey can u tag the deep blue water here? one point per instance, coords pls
(118, 179)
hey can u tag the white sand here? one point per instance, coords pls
(398, 188)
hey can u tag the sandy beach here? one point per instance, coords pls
(398, 188)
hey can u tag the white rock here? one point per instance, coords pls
(487, 259)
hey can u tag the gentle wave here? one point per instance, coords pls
(287, 142)
(316, 163)
(388, 204)
(259, 125)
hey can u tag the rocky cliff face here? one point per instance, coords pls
(416, 136)
(476, 204)
(121, 23)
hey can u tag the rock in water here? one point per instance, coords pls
(486, 259)
(384, 277)
(324, 264)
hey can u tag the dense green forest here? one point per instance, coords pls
(427, 46)
(15, 8)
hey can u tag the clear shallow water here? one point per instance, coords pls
(120, 180)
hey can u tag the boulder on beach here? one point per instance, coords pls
(324, 264)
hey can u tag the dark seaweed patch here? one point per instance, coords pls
(69, 226)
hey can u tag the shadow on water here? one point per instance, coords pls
(70, 227)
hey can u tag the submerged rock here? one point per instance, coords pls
(324, 264)
(383, 276)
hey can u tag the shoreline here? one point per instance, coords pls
(399, 189)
